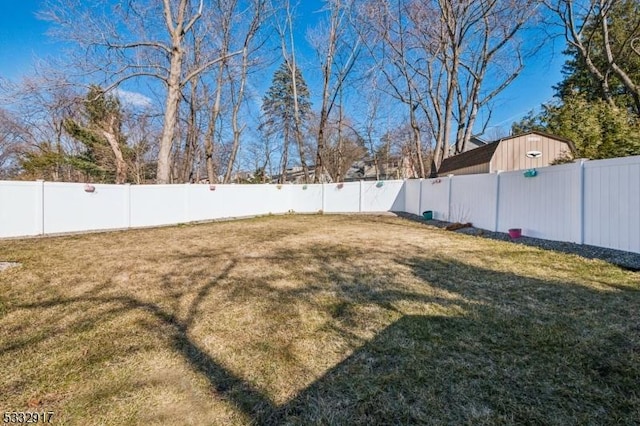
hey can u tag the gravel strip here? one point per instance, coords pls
(624, 259)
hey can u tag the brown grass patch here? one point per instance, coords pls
(315, 319)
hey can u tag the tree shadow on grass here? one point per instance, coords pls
(515, 349)
(524, 351)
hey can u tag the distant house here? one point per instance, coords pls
(394, 167)
(474, 142)
(524, 151)
(295, 174)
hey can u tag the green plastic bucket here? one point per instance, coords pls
(427, 215)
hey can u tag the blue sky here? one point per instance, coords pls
(23, 39)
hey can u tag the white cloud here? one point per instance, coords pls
(134, 99)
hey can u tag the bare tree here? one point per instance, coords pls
(43, 111)
(224, 29)
(479, 56)
(12, 142)
(384, 31)
(343, 146)
(139, 38)
(40, 110)
(369, 126)
(193, 98)
(447, 59)
(337, 48)
(141, 134)
(261, 149)
(586, 26)
(238, 75)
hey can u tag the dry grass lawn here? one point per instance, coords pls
(315, 320)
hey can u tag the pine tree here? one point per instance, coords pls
(598, 129)
(278, 108)
(99, 129)
(601, 117)
(624, 28)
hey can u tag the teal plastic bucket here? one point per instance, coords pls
(427, 215)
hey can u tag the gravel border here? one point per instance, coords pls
(624, 259)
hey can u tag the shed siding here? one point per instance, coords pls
(511, 154)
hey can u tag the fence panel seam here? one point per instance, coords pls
(497, 211)
(420, 197)
(581, 203)
(449, 198)
(41, 207)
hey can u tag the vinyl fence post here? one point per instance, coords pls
(186, 202)
(361, 200)
(497, 214)
(420, 197)
(580, 203)
(40, 207)
(449, 198)
(127, 205)
(324, 207)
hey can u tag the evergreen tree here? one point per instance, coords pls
(603, 120)
(532, 122)
(99, 129)
(278, 109)
(624, 27)
(598, 129)
(48, 162)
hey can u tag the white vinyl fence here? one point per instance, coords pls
(592, 202)
(587, 202)
(40, 208)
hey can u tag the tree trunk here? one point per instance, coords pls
(326, 105)
(417, 139)
(191, 140)
(234, 149)
(237, 131)
(121, 165)
(633, 88)
(170, 117)
(285, 158)
(211, 131)
(320, 150)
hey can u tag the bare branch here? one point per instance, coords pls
(154, 44)
(195, 17)
(199, 70)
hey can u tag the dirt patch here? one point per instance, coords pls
(7, 265)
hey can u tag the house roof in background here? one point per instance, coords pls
(477, 141)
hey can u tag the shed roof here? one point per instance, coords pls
(484, 153)
(470, 158)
